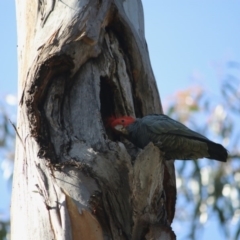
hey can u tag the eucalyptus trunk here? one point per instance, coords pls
(80, 63)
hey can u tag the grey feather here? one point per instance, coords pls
(173, 138)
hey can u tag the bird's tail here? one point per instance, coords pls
(217, 151)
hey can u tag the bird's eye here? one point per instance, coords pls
(122, 120)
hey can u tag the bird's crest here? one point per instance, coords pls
(123, 121)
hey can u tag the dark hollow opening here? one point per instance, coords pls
(107, 105)
(106, 98)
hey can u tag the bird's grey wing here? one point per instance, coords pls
(180, 142)
(162, 124)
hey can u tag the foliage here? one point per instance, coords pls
(4, 229)
(207, 189)
(7, 136)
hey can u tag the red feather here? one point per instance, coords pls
(124, 121)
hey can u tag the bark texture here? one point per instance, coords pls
(81, 62)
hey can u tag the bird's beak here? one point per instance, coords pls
(121, 128)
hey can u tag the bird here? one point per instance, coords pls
(173, 138)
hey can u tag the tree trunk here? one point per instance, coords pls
(81, 62)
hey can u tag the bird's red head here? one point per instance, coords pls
(120, 122)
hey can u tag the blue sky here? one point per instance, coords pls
(187, 38)
(188, 42)
(8, 45)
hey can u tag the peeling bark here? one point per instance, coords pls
(81, 62)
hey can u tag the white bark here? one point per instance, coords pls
(79, 63)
